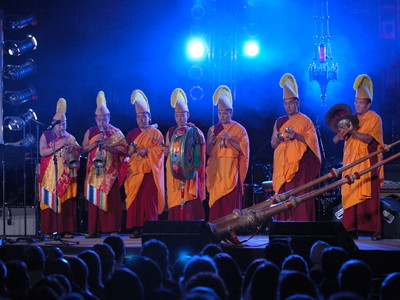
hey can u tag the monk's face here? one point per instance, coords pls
(102, 121)
(225, 116)
(362, 105)
(181, 118)
(143, 120)
(60, 129)
(291, 106)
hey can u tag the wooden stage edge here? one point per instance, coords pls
(382, 256)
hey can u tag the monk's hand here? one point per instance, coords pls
(166, 150)
(225, 135)
(291, 133)
(351, 128)
(143, 152)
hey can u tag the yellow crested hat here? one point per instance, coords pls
(61, 109)
(289, 85)
(139, 99)
(101, 104)
(223, 97)
(363, 87)
(179, 101)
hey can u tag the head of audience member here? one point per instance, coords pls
(211, 250)
(201, 293)
(118, 246)
(54, 252)
(64, 281)
(344, 295)
(159, 252)
(295, 282)
(332, 260)
(107, 259)
(229, 271)
(79, 271)
(296, 263)
(315, 258)
(17, 279)
(34, 258)
(207, 279)
(248, 274)
(148, 271)
(277, 250)
(390, 287)
(48, 288)
(92, 261)
(58, 266)
(263, 283)
(179, 266)
(124, 284)
(3, 277)
(198, 264)
(355, 276)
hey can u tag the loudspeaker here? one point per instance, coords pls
(188, 237)
(390, 208)
(15, 221)
(304, 234)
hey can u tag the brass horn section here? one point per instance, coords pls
(253, 216)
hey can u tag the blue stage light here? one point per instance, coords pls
(196, 49)
(251, 48)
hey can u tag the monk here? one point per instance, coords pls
(228, 147)
(297, 158)
(58, 210)
(361, 200)
(144, 184)
(186, 204)
(107, 147)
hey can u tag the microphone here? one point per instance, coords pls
(9, 216)
(51, 126)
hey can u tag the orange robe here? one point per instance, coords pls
(288, 154)
(195, 188)
(360, 190)
(139, 166)
(227, 167)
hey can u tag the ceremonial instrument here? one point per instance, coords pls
(225, 229)
(68, 155)
(333, 173)
(184, 152)
(100, 159)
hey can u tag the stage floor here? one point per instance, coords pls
(382, 256)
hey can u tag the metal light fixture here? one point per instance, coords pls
(16, 22)
(26, 142)
(17, 48)
(15, 72)
(16, 123)
(323, 69)
(19, 97)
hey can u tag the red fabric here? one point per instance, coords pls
(106, 221)
(66, 219)
(145, 205)
(226, 204)
(192, 211)
(308, 170)
(366, 216)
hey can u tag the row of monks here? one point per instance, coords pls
(174, 171)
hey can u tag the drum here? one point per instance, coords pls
(184, 152)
